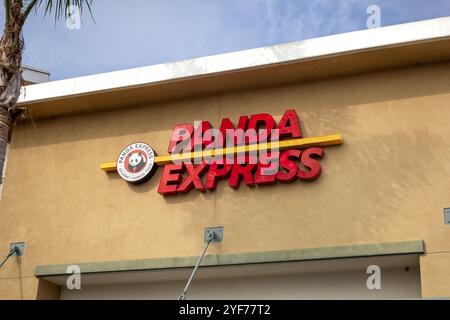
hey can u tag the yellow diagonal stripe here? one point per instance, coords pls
(322, 141)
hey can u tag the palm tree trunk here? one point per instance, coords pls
(11, 45)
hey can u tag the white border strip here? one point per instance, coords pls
(396, 35)
(4, 171)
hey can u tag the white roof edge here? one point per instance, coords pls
(35, 69)
(362, 40)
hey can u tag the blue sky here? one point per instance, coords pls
(135, 33)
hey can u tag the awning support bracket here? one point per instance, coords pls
(214, 234)
(15, 249)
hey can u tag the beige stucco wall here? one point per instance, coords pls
(435, 274)
(388, 182)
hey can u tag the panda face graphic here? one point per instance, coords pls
(136, 162)
(135, 159)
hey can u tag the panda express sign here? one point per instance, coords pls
(256, 151)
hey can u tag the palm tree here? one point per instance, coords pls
(11, 47)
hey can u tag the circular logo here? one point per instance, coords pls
(136, 163)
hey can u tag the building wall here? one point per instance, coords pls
(388, 182)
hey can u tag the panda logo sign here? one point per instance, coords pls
(136, 163)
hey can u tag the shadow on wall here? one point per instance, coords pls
(400, 180)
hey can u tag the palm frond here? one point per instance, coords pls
(59, 8)
(7, 13)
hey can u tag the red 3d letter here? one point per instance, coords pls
(310, 160)
(193, 179)
(245, 171)
(216, 171)
(262, 121)
(289, 168)
(170, 179)
(289, 125)
(199, 141)
(181, 138)
(227, 125)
